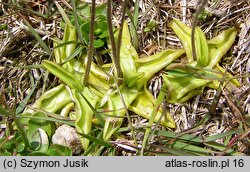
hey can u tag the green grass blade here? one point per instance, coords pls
(196, 139)
(62, 12)
(191, 148)
(61, 121)
(96, 140)
(98, 114)
(222, 147)
(93, 146)
(78, 29)
(177, 152)
(23, 103)
(159, 101)
(172, 135)
(222, 135)
(35, 34)
(134, 24)
(73, 55)
(136, 12)
(4, 112)
(99, 151)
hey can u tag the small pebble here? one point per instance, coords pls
(67, 136)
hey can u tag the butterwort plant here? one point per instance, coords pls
(185, 80)
(101, 99)
(102, 104)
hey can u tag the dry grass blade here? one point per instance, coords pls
(114, 46)
(91, 43)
